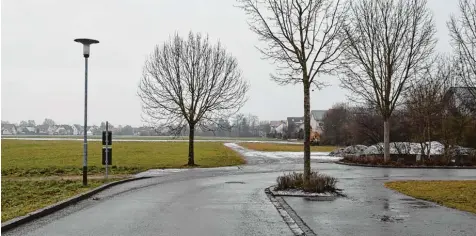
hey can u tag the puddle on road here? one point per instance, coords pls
(320, 198)
(415, 203)
(234, 182)
(390, 219)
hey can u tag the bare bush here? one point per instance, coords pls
(319, 183)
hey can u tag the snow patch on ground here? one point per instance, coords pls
(323, 156)
(159, 172)
(436, 148)
(164, 172)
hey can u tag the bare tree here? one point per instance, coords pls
(335, 128)
(387, 44)
(49, 122)
(425, 102)
(189, 82)
(301, 39)
(31, 123)
(463, 35)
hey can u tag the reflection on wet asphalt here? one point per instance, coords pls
(371, 209)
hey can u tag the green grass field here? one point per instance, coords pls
(22, 197)
(278, 147)
(45, 158)
(460, 195)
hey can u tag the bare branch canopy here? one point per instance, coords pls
(463, 37)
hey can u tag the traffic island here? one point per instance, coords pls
(305, 195)
(321, 188)
(320, 185)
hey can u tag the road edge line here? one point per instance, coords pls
(15, 222)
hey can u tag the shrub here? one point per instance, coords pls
(403, 160)
(319, 183)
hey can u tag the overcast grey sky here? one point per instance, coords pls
(42, 68)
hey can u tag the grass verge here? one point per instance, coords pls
(278, 147)
(460, 195)
(21, 197)
(22, 158)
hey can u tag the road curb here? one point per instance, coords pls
(408, 167)
(15, 222)
(292, 219)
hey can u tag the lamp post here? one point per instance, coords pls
(86, 44)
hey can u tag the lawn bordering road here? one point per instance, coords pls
(16, 216)
(46, 158)
(460, 195)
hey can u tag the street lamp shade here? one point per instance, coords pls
(86, 43)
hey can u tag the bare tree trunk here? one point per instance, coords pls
(307, 132)
(191, 158)
(386, 139)
(429, 139)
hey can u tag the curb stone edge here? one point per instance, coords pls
(294, 222)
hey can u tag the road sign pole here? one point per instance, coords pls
(107, 134)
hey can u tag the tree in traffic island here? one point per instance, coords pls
(301, 38)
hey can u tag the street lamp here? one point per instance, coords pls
(86, 44)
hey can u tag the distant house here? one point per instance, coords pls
(317, 117)
(52, 130)
(277, 126)
(43, 129)
(461, 99)
(77, 129)
(93, 130)
(27, 130)
(295, 123)
(9, 129)
(280, 129)
(64, 130)
(149, 131)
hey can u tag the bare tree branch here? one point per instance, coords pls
(463, 39)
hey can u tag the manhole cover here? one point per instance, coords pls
(234, 182)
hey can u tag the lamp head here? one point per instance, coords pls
(86, 43)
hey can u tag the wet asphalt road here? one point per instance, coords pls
(371, 209)
(231, 201)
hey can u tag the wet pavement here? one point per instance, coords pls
(231, 201)
(371, 209)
